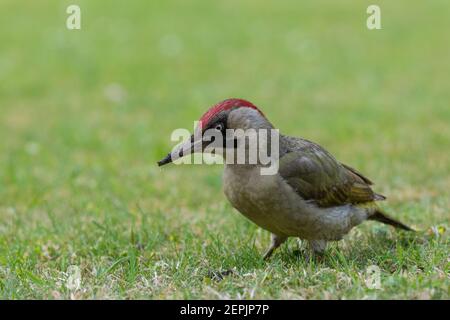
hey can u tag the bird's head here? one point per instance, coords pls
(213, 124)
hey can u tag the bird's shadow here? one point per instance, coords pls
(382, 248)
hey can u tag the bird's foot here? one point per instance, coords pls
(314, 250)
(276, 242)
(317, 246)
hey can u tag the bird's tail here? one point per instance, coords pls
(384, 218)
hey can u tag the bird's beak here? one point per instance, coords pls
(167, 159)
(185, 148)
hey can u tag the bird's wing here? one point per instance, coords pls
(317, 176)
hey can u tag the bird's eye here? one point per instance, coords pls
(219, 127)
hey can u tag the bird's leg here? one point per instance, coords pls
(317, 247)
(276, 242)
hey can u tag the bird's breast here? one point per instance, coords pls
(264, 199)
(272, 204)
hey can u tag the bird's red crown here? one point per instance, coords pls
(225, 105)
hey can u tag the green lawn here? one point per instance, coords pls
(85, 115)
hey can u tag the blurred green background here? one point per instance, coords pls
(85, 114)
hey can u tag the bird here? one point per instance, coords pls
(312, 196)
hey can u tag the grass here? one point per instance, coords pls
(86, 114)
